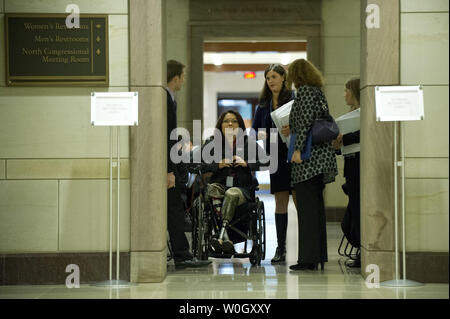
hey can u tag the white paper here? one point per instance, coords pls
(399, 103)
(349, 123)
(349, 149)
(280, 118)
(114, 108)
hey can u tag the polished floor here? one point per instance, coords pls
(238, 279)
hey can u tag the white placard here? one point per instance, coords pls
(399, 103)
(114, 108)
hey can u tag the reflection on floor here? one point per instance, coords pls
(237, 278)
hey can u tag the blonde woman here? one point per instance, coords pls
(310, 176)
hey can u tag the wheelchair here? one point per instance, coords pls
(248, 223)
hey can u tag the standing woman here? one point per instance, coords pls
(274, 94)
(310, 176)
(351, 221)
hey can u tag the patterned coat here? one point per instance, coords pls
(310, 104)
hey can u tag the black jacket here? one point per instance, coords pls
(242, 176)
(179, 170)
(171, 124)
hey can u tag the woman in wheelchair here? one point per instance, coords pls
(232, 182)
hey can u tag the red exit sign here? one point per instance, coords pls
(249, 75)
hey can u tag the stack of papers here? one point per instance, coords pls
(349, 123)
(281, 118)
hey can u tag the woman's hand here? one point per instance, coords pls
(285, 130)
(296, 157)
(225, 163)
(338, 142)
(238, 161)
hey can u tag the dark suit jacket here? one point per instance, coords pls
(171, 124)
(180, 170)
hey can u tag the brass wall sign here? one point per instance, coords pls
(42, 51)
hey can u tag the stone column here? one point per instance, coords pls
(380, 48)
(148, 141)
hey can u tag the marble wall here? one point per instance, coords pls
(340, 42)
(177, 40)
(54, 166)
(424, 60)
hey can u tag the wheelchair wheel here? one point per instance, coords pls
(200, 237)
(259, 251)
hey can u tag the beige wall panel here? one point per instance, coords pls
(334, 196)
(28, 216)
(53, 123)
(336, 101)
(148, 266)
(385, 260)
(427, 212)
(421, 5)
(2, 51)
(338, 79)
(148, 173)
(424, 48)
(380, 46)
(377, 189)
(84, 216)
(65, 169)
(146, 41)
(2, 169)
(429, 138)
(59, 6)
(426, 168)
(177, 12)
(341, 55)
(333, 13)
(118, 50)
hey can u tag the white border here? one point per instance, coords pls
(382, 113)
(132, 118)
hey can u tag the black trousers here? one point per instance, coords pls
(175, 225)
(312, 236)
(351, 226)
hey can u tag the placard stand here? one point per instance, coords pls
(411, 111)
(114, 109)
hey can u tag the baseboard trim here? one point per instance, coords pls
(50, 268)
(427, 267)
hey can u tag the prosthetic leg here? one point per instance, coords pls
(230, 202)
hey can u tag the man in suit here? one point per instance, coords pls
(175, 210)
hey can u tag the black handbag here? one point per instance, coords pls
(324, 130)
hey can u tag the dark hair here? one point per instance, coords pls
(266, 94)
(222, 117)
(235, 113)
(353, 86)
(174, 68)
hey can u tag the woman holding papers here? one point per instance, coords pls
(310, 176)
(351, 222)
(274, 94)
